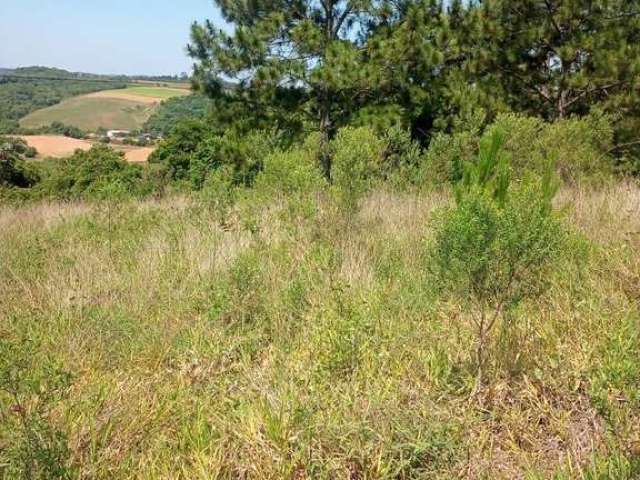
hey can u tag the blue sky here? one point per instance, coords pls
(101, 36)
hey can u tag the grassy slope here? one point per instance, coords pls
(108, 111)
(90, 113)
(156, 92)
(288, 344)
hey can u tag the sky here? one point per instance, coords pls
(101, 36)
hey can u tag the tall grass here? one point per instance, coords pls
(278, 343)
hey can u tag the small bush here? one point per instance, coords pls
(446, 156)
(176, 151)
(291, 171)
(578, 146)
(357, 157)
(14, 171)
(402, 159)
(218, 193)
(495, 247)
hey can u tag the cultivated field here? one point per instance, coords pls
(162, 93)
(124, 109)
(59, 146)
(276, 340)
(144, 94)
(90, 113)
(160, 83)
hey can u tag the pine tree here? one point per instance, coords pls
(302, 55)
(559, 57)
(428, 56)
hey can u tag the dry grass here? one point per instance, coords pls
(58, 146)
(283, 342)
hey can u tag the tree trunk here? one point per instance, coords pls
(562, 105)
(325, 100)
(325, 132)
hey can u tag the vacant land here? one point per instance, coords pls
(58, 146)
(274, 340)
(126, 109)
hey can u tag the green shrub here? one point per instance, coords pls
(31, 446)
(357, 157)
(582, 146)
(446, 156)
(14, 171)
(291, 171)
(578, 146)
(494, 248)
(218, 193)
(176, 151)
(402, 158)
(244, 153)
(91, 173)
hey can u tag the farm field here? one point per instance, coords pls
(144, 94)
(156, 92)
(159, 83)
(58, 146)
(90, 113)
(125, 109)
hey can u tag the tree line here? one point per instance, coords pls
(425, 65)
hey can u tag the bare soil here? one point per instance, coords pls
(59, 146)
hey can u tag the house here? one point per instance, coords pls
(117, 134)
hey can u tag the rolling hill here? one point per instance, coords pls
(127, 109)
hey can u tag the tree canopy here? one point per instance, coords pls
(426, 65)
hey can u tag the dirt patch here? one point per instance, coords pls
(136, 154)
(59, 146)
(56, 145)
(532, 425)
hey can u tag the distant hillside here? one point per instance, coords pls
(54, 73)
(42, 72)
(25, 90)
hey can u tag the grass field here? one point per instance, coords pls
(158, 83)
(273, 340)
(154, 92)
(90, 113)
(123, 109)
